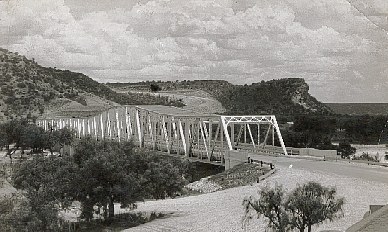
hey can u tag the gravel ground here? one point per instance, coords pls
(204, 186)
(196, 100)
(223, 211)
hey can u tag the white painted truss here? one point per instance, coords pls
(177, 131)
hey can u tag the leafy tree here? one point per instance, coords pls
(99, 174)
(17, 215)
(59, 138)
(305, 206)
(312, 204)
(271, 206)
(109, 176)
(46, 183)
(11, 132)
(346, 150)
(34, 137)
(155, 87)
(164, 178)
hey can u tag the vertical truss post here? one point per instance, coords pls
(165, 134)
(199, 152)
(222, 142)
(138, 128)
(88, 121)
(102, 127)
(151, 129)
(210, 138)
(245, 133)
(169, 135)
(95, 127)
(232, 134)
(187, 138)
(273, 136)
(118, 125)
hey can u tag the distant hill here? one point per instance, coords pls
(284, 96)
(359, 108)
(29, 89)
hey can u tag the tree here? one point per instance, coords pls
(271, 206)
(346, 150)
(305, 206)
(46, 184)
(109, 178)
(312, 204)
(100, 174)
(11, 132)
(111, 172)
(57, 139)
(155, 87)
(34, 137)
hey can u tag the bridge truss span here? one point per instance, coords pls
(205, 137)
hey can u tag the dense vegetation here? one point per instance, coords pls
(98, 174)
(321, 131)
(26, 88)
(29, 137)
(359, 108)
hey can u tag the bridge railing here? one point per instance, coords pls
(261, 162)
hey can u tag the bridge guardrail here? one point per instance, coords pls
(271, 165)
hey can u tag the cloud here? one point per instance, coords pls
(327, 42)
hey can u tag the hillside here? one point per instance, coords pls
(28, 89)
(284, 96)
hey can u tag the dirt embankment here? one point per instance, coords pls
(195, 100)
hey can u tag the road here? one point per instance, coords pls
(347, 169)
(360, 184)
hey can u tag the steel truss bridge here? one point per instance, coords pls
(202, 137)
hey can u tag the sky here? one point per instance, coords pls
(340, 47)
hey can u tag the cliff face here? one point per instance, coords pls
(283, 96)
(302, 97)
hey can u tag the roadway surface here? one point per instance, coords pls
(361, 185)
(340, 167)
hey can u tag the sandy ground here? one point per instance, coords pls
(195, 100)
(223, 211)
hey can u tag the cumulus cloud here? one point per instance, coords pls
(327, 42)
